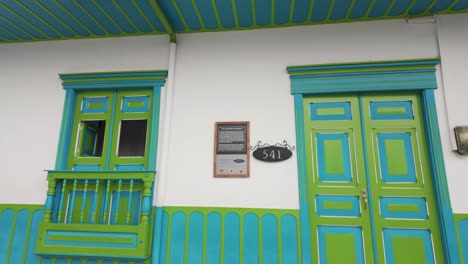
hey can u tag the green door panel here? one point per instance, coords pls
(370, 187)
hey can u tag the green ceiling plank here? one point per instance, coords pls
(11, 33)
(179, 13)
(254, 17)
(408, 9)
(350, 8)
(309, 14)
(39, 18)
(164, 21)
(272, 12)
(234, 11)
(291, 11)
(109, 16)
(135, 3)
(330, 10)
(24, 20)
(17, 27)
(197, 12)
(390, 7)
(91, 33)
(215, 9)
(56, 17)
(126, 16)
(91, 16)
(369, 9)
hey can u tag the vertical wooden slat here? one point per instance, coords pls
(129, 204)
(83, 201)
(106, 216)
(62, 196)
(72, 201)
(93, 210)
(117, 202)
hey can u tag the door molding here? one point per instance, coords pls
(383, 76)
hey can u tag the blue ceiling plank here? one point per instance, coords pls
(360, 8)
(7, 25)
(399, 7)
(42, 13)
(65, 17)
(301, 10)
(27, 15)
(441, 5)
(149, 12)
(320, 10)
(113, 11)
(263, 12)
(226, 14)
(19, 22)
(207, 13)
(135, 15)
(171, 14)
(282, 11)
(462, 4)
(419, 7)
(4, 34)
(77, 12)
(100, 17)
(340, 9)
(244, 12)
(380, 8)
(189, 13)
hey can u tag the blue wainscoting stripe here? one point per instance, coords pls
(6, 224)
(232, 238)
(289, 239)
(213, 238)
(177, 248)
(160, 249)
(20, 236)
(463, 235)
(195, 238)
(37, 217)
(251, 236)
(269, 239)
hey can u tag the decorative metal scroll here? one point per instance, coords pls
(272, 153)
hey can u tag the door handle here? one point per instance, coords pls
(364, 198)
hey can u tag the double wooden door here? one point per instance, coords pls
(370, 188)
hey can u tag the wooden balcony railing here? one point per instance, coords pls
(106, 212)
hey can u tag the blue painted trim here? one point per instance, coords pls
(410, 177)
(85, 106)
(341, 230)
(407, 115)
(129, 99)
(95, 86)
(437, 166)
(354, 211)
(315, 107)
(153, 138)
(324, 176)
(389, 233)
(74, 76)
(86, 167)
(111, 131)
(418, 201)
(158, 237)
(366, 162)
(306, 248)
(463, 235)
(65, 130)
(364, 65)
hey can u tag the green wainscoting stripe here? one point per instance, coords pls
(461, 227)
(222, 235)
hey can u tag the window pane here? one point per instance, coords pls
(92, 138)
(132, 139)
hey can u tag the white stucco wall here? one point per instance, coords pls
(236, 76)
(225, 76)
(453, 39)
(32, 100)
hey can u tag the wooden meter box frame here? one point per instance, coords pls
(238, 165)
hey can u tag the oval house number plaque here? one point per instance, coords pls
(272, 153)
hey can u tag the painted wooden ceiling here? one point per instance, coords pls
(34, 20)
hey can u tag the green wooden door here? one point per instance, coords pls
(370, 190)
